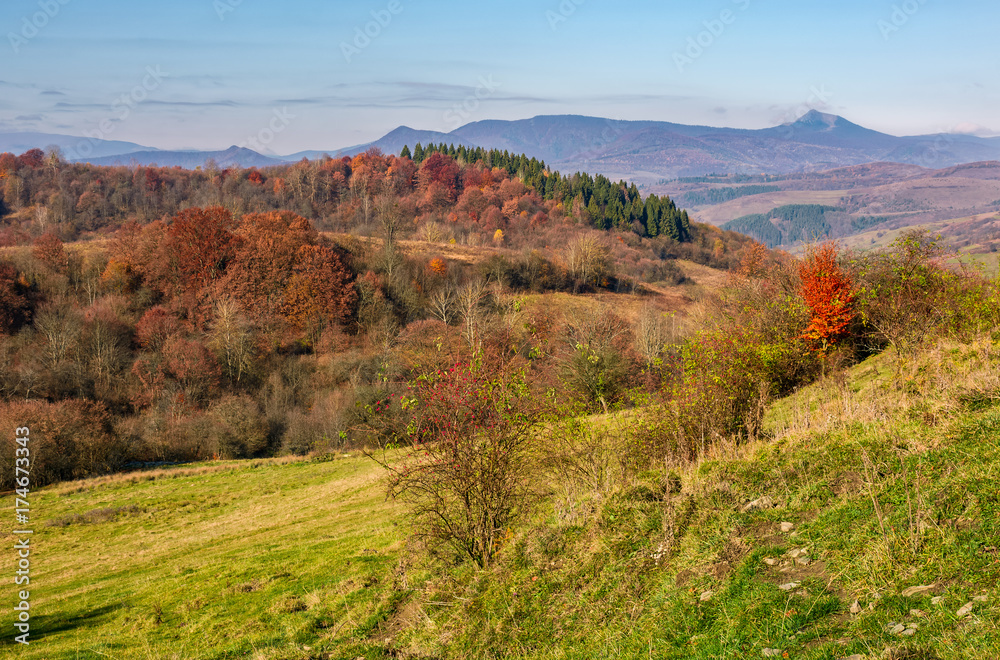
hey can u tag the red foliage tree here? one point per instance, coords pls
(442, 170)
(33, 158)
(155, 327)
(402, 173)
(183, 260)
(191, 364)
(829, 293)
(69, 440)
(200, 244)
(48, 249)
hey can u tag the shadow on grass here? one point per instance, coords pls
(43, 626)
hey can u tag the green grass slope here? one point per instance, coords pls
(230, 560)
(865, 525)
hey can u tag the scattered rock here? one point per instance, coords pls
(981, 599)
(918, 591)
(706, 596)
(855, 607)
(795, 553)
(937, 600)
(761, 504)
(770, 561)
(920, 614)
(789, 586)
(787, 527)
(802, 561)
(802, 592)
(896, 629)
(772, 653)
(856, 656)
(909, 632)
(965, 610)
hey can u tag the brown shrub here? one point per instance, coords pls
(68, 440)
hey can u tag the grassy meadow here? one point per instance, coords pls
(863, 524)
(227, 560)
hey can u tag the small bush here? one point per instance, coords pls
(466, 475)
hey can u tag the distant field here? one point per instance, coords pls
(723, 213)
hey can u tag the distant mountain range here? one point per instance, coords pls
(71, 146)
(190, 159)
(642, 151)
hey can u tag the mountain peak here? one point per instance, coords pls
(819, 120)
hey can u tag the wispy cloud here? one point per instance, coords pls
(198, 104)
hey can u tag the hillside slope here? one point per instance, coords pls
(866, 525)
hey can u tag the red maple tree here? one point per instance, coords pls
(829, 293)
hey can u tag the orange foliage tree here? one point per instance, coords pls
(438, 266)
(264, 261)
(319, 292)
(829, 293)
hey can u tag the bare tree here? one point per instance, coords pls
(61, 326)
(651, 334)
(589, 259)
(471, 300)
(442, 305)
(233, 340)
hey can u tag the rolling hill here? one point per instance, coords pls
(843, 534)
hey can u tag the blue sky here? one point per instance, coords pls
(211, 73)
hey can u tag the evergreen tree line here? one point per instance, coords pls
(721, 195)
(786, 224)
(609, 205)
